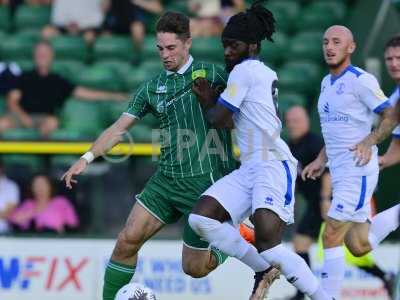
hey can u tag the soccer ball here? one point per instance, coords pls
(135, 291)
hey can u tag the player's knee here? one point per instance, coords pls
(202, 225)
(130, 238)
(194, 269)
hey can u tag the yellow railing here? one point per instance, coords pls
(76, 148)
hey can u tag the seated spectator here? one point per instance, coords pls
(75, 17)
(206, 22)
(44, 211)
(40, 94)
(38, 2)
(9, 198)
(229, 8)
(128, 16)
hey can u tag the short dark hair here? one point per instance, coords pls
(393, 42)
(174, 22)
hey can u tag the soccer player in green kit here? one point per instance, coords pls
(193, 156)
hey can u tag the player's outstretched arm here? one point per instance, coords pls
(363, 150)
(107, 139)
(316, 168)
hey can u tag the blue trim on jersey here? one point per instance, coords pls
(381, 107)
(349, 68)
(395, 136)
(227, 105)
(363, 192)
(353, 70)
(288, 195)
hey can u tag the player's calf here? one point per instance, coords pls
(197, 263)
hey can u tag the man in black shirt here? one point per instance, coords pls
(305, 146)
(40, 94)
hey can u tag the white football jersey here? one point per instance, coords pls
(250, 94)
(393, 101)
(347, 107)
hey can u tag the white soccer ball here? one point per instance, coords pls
(135, 291)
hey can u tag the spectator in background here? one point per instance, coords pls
(9, 198)
(128, 16)
(229, 8)
(75, 17)
(207, 21)
(44, 211)
(40, 94)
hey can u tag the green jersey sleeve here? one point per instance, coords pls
(139, 104)
(220, 77)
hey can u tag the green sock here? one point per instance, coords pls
(115, 277)
(219, 255)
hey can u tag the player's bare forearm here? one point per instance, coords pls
(322, 157)
(392, 155)
(219, 116)
(112, 136)
(385, 127)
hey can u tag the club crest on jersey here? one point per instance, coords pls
(340, 89)
(162, 89)
(199, 74)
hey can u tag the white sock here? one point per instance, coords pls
(383, 224)
(228, 239)
(333, 271)
(320, 294)
(296, 271)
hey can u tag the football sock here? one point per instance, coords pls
(383, 224)
(296, 271)
(116, 276)
(333, 270)
(228, 239)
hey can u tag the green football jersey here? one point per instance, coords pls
(189, 144)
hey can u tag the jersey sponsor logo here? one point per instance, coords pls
(340, 89)
(380, 94)
(199, 74)
(332, 117)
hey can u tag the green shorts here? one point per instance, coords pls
(168, 199)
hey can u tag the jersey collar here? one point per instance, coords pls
(334, 78)
(183, 69)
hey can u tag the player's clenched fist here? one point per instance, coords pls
(76, 169)
(313, 170)
(203, 90)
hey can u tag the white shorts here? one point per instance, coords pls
(351, 201)
(268, 184)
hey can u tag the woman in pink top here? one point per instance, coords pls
(44, 212)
